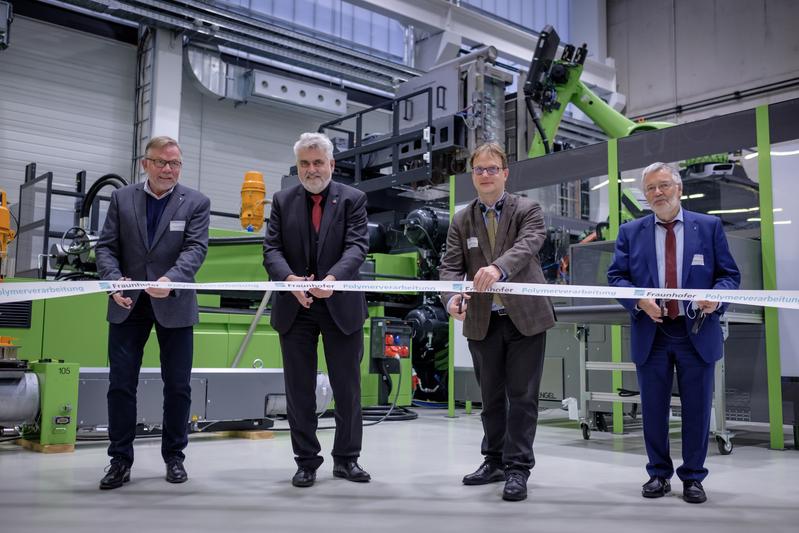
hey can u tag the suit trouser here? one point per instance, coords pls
(125, 351)
(343, 357)
(673, 349)
(508, 366)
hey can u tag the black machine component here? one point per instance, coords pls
(539, 87)
(65, 236)
(724, 188)
(6, 16)
(389, 341)
(430, 327)
(16, 314)
(427, 228)
(74, 252)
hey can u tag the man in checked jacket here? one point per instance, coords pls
(497, 238)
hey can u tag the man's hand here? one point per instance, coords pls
(122, 301)
(706, 306)
(452, 309)
(651, 308)
(322, 293)
(159, 293)
(301, 296)
(486, 277)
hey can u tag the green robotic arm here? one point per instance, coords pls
(553, 84)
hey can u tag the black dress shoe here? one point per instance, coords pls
(487, 473)
(692, 492)
(175, 473)
(656, 487)
(351, 471)
(304, 477)
(515, 487)
(116, 474)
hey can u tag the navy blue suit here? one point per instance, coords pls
(657, 349)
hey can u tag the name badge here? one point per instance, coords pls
(698, 259)
(177, 225)
(471, 242)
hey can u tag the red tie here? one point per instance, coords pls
(316, 211)
(672, 308)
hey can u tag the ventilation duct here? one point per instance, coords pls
(212, 74)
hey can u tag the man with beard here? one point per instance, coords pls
(318, 231)
(674, 248)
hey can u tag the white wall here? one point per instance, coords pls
(672, 52)
(784, 171)
(66, 103)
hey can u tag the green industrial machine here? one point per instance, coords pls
(41, 398)
(58, 403)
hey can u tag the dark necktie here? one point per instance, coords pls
(672, 308)
(316, 211)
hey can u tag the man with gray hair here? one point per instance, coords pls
(676, 249)
(318, 231)
(153, 231)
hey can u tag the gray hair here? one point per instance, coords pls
(314, 140)
(162, 141)
(657, 167)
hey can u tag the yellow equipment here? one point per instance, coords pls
(6, 233)
(253, 198)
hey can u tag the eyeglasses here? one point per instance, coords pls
(664, 186)
(491, 171)
(161, 163)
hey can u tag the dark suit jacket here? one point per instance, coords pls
(635, 265)
(342, 248)
(520, 234)
(177, 252)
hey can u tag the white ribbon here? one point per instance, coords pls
(15, 292)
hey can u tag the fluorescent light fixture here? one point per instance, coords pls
(697, 195)
(777, 209)
(775, 222)
(604, 183)
(773, 152)
(732, 211)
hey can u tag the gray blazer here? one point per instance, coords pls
(520, 234)
(177, 252)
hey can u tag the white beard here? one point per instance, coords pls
(315, 186)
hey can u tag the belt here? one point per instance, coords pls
(499, 312)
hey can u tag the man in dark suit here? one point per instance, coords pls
(318, 231)
(154, 231)
(496, 238)
(674, 248)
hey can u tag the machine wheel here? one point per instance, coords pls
(585, 430)
(601, 423)
(725, 446)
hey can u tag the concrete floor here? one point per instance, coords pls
(243, 485)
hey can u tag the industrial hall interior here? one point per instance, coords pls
(399, 265)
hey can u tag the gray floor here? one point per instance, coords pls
(242, 485)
